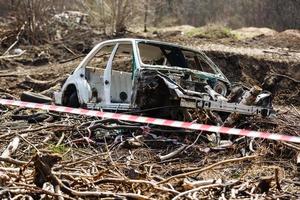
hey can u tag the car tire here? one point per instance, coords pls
(220, 88)
(35, 98)
(73, 101)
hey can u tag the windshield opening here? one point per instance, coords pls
(160, 54)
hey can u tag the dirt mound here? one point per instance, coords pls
(279, 77)
(287, 39)
(177, 28)
(211, 31)
(74, 43)
(291, 32)
(251, 32)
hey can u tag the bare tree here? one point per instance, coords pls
(113, 16)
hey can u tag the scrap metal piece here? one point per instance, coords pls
(247, 99)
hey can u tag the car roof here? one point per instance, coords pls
(151, 42)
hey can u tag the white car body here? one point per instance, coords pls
(106, 88)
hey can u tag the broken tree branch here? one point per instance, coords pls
(208, 168)
(12, 56)
(173, 154)
(197, 189)
(13, 161)
(285, 76)
(17, 40)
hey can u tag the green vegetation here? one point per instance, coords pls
(59, 149)
(236, 174)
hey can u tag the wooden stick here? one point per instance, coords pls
(58, 191)
(173, 154)
(277, 179)
(96, 193)
(197, 189)
(295, 147)
(69, 50)
(34, 188)
(61, 139)
(296, 110)
(298, 163)
(13, 161)
(208, 168)
(23, 138)
(190, 185)
(121, 180)
(11, 46)
(286, 76)
(13, 56)
(71, 59)
(17, 40)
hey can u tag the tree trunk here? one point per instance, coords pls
(146, 15)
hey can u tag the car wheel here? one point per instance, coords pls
(73, 101)
(220, 88)
(35, 98)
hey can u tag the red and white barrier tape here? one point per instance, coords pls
(156, 121)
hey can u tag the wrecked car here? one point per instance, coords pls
(159, 79)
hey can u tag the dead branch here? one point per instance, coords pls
(58, 191)
(9, 96)
(12, 56)
(71, 59)
(298, 162)
(69, 50)
(173, 154)
(43, 167)
(131, 181)
(197, 189)
(11, 75)
(28, 142)
(13, 161)
(293, 146)
(17, 40)
(43, 85)
(193, 184)
(277, 179)
(296, 110)
(208, 168)
(35, 189)
(285, 76)
(39, 129)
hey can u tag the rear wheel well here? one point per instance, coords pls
(67, 94)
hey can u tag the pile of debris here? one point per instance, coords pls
(71, 37)
(53, 155)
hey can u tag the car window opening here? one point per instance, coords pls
(159, 54)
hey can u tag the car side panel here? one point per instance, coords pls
(83, 88)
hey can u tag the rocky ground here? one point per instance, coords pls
(74, 157)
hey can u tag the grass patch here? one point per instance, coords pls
(60, 149)
(212, 32)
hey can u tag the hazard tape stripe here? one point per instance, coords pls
(156, 121)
